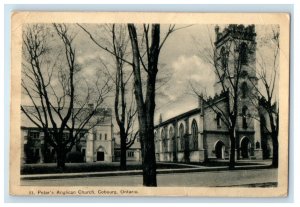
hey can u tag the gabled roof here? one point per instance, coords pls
(180, 116)
(206, 104)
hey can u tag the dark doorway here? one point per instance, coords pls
(220, 150)
(245, 148)
(100, 156)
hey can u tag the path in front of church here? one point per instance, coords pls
(255, 177)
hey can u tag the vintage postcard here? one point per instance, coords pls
(149, 104)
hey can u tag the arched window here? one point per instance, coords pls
(194, 135)
(171, 132)
(244, 114)
(243, 54)
(156, 142)
(164, 141)
(220, 150)
(181, 136)
(171, 136)
(162, 134)
(257, 145)
(218, 119)
(244, 89)
(224, 58)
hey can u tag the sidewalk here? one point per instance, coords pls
(189, 168)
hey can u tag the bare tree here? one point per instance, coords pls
(52, 85)
(266, 90)
(229, 65)
(148, 61)
(125, 111)
(145, 49)
(116, 40)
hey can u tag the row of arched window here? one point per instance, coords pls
(164, 135)
(183, 141)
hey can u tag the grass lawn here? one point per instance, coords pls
(88, 167)
(222, 163)
(50, 168)
(257, 185)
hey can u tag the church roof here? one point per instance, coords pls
(206, 104)
(180, 116)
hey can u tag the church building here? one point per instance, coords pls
(201, 134)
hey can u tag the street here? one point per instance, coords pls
(192, 179)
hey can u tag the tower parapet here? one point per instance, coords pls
(236, 31)
(212, 100)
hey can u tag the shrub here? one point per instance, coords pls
(75, 157)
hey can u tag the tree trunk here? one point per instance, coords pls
(274, 134)
(174, 140)
(45, 154)
(232, 150)
(145, 108)
(123, 151)
(61, 158)
(275, 151)
(186, 148)
(149, 162)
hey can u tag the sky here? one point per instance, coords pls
(180, 61)
(181, 54)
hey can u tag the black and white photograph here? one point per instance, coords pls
(130, 104)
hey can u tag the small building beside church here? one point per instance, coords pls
(96, 143)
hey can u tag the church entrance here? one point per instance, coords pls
(245, 147)
(100, 154)
(220, 150)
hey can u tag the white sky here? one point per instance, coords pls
(179, 58)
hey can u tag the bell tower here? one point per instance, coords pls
(235, 57)
(235, 63)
